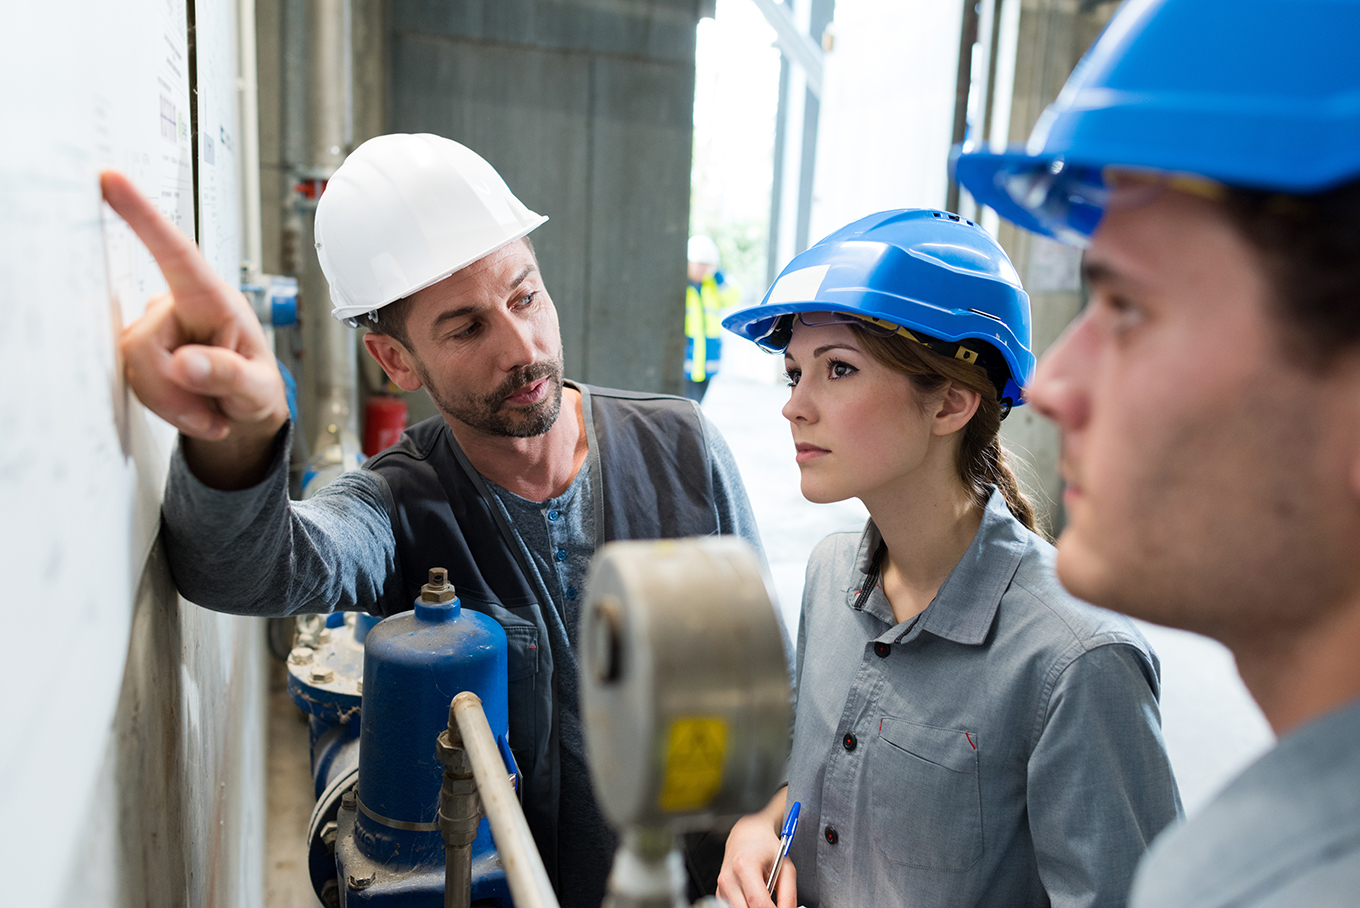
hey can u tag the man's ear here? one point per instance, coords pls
(954, 407)
(395, 360)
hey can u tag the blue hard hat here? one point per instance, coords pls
(1259, 94)
(940, 277)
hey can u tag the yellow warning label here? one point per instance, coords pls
(694, 763)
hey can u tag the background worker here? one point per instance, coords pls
(708, 296)
(1207, 152)
(967, 733)
(512, 487)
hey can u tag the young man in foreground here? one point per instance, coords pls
(1207, 153)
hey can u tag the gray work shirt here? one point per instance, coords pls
(1002, 748)
(1284, 834)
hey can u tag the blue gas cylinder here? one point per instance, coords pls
(414, 664)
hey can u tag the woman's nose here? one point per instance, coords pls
(798, 408)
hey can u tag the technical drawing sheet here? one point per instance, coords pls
(88, 85)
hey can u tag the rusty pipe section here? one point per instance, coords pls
(524, 869)
(460, 812)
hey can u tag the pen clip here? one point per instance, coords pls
(791, 823)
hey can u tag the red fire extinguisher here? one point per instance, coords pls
(384, 421)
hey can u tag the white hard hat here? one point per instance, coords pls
(704, 250)
(406, 211)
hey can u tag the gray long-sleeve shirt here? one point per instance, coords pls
(256, 552)
(1002, 748)
(1284, 834)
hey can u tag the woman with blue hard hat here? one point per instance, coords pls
(967, 733)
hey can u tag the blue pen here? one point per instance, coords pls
(785, 840)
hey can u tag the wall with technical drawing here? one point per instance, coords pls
(131, 759)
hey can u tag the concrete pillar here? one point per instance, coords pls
(586, 108)
(1053, 34)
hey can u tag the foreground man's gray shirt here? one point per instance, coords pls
(1284, 834)
(1003, 748)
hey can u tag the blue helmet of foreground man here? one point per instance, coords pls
(1257, 94)
(941, 278)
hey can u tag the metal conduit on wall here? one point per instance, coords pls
(330, 133)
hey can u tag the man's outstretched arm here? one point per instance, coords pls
(198, 357)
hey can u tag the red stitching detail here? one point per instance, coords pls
(970, 740)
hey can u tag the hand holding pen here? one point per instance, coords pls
(785, 840)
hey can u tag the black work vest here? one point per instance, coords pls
(652, 479)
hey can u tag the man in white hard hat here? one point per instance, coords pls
(512, 488)
(708, 296)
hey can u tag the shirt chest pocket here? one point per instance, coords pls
(925, 800)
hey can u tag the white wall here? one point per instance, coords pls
(887, 109)
(131, 741)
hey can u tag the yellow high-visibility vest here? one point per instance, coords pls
(704, 309)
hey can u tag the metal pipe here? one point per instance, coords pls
(797, 45)
(524, 869)
(460, 810)
(457, 876)
(252, 234)
(648, 871)
(968, 33)
(328, 139)
(328, 73)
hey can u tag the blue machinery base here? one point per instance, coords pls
(373, 836)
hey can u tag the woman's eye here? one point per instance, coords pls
(791, 376)
(838, 369)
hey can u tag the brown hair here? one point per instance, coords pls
(982, 462)
(391, 321)
(1310, 249)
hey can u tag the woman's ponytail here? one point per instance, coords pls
(984, 462)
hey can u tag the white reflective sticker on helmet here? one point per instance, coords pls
(797, 286)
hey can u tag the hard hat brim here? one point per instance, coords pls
(351, 314)
(754, 321)
(1040, 193)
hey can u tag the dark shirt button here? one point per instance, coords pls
(552, 515)
(832, 837)
(571, 594)
(850, 741)
(881, 650)
(561, 555)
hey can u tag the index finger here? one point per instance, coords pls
(186, 271)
